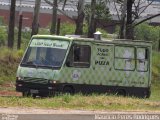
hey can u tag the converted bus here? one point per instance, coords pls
(59, 64)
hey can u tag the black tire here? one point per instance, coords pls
(34, 95)
(121, 92)
(68, 90)
(26, 94)
(148, 94)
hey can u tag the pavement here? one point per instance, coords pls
(17, 113)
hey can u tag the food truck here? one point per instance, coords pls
(59, 64)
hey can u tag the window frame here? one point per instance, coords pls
(125, 58)
(148, 56)
(70, 57)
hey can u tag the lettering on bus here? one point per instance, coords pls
(47, 44)
(101, 62)
(102, 52)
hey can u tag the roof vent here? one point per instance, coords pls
(97, 35)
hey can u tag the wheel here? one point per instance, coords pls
(26, 94)
(121, 92)
(147, 94)
(34, 95)
(68, 90)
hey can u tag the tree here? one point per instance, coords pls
(80, 18)
(133, 10)
(54, 14)
(129, 28)
(147, 32)
(80, 14)
(91, 26)
(122, 21)
(54, 18)
(61, 11)
(35, 23)
(101, 14)
(11, 24)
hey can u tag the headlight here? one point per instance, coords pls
(20, 78)
(52, 81)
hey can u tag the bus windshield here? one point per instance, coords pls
(45, 53)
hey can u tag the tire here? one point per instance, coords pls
(34, 95)
(26, 94)
(68, 90)
(147, 94)
(121, 92)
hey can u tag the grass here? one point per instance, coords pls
(155, 76)
(9, 61)
(91, 102)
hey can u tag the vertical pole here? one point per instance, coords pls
(11, 24)
(19, 31)
(58, 26)
(159, 41)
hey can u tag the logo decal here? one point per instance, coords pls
(76, 74)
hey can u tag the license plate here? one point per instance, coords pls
(34, 91)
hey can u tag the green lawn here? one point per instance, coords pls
(91, 102)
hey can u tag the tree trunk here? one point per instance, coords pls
(80, 18)
(54, 18)
(91, 26)
(58, 26)
(122, 28)
(123, 21)
(11, 24)
(129, 26)
(35, 23)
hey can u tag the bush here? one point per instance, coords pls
(104, 33)
(67, 29)
(3, 35)
(148, 33)
(2, 21)
(44, 31)
(9, 62)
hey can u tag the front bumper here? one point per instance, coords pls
(36, 88)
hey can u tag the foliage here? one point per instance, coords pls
(101, 12)
(2, 21)
(44, 31)
(9, 61)
(3, 35)
(67, 29)
(104, 33)
(156, 66)
(85, 28)
(148, 33)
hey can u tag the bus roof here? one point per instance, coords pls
(70, 38)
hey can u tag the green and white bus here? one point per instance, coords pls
(59, 64)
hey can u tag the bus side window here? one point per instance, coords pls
(142, 59)
(79, 56)
(146, 53)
